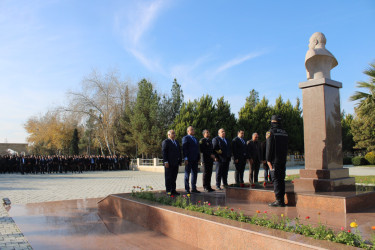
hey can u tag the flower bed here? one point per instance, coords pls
(349, 237)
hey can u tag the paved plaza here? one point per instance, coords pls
(23, 189)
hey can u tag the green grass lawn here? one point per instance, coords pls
(358, 179)
(366, 166)
(365, 179)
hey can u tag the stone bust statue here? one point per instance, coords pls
(319, 61)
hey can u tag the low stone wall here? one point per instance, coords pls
(155, 165)
(205, 231)
(334, 202)
(18, 147)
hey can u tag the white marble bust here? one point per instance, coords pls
(319, 61)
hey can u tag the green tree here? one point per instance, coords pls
(261, 119)
(366, 101)
(170, 106)
(74, 150)
(202, 114)
(253, 99)
(292, 122)
(205, 116)
(144, 121)
(255, 118)
(363, 130)
(363, 125)
(224, 118)
(186, 117)
(86, 142)
(126, 144)
(347, 136)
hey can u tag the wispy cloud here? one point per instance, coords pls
(190, 75)
(133, 23)
(238, 60)
(143, 18)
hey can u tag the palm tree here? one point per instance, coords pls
(366, 100)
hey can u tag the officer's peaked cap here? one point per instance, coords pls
(276, 118)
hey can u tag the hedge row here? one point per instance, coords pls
(368, 159)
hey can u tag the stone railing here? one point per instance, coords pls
(156, 164)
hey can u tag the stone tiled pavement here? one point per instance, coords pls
(23, 189)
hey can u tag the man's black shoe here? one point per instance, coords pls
(209, 190)
(187, 192)
(277, 204)
(219, 188)
(175, 193)
(195, 191)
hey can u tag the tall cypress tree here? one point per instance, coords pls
(224, 118)
(146, 129)
(74, 150)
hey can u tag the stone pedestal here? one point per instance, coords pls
(324, 170)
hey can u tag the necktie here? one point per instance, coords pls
(174, 142)
(192, 137)
(225, 140)
(243, 142)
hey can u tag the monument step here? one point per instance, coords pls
(324, 185)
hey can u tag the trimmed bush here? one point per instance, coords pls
(347, 160)
(359, 160)
(370, 157)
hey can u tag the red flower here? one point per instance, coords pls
(292, 181)
(231, 209)
(253, 185)
(265, 212)
(342, 228)
(373, 227)
(172, 196)
(264, 184)
(258, 211)
(307, 217)
(242, 185)
(349, 231)
(209, 204)
(199, 201)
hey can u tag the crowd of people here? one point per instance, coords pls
(219, 151)
(43, 164)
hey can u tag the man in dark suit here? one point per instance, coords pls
(240, 156)
(255, 152)
(190, 147)
(208, 159)
(172, 160)
(222, 154)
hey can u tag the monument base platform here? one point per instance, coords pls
(324, 185)
(205, 231)
(324, 180)
(337, 202)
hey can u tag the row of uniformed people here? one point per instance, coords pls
(61, 163)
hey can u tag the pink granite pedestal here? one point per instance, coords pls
(324, 170)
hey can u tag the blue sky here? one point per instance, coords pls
(221, 48)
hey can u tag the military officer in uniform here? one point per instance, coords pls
(208, 159)
(276, 153)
